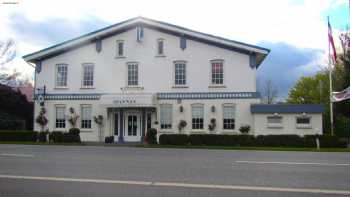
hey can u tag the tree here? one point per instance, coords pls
(269, 92)
(7, 51)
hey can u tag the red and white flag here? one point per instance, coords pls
(331, 43)
(340, 96)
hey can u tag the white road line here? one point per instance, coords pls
(16, 155)
(183, 185)
(294, 163)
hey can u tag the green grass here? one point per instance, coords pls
(42, 143)
(248, 148)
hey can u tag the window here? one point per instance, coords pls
(229, 117)
(180, 73)
(303, 122)
(274, 121)
(133, 73)
(61, 75)
(160, 47)
(60, 117)
(166, 112)
(86, 116)
(217, 72)
(88, 75)
(120, 48)
(197, 116)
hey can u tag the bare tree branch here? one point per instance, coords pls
(7, 51)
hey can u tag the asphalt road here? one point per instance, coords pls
(121, 171)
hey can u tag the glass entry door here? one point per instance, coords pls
(132, 127)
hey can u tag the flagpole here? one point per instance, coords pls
(330, 86)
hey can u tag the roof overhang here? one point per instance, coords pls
(260, 52)
(286, 108)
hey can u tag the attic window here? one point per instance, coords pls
(160, 47)
(120, 48)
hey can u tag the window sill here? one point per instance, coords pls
(180, 86)
(277, 126)
(133, 88)
(120, 57)
(167, 131)
(216, 86)
(160, 56)
(198, 131)
(87, 88)
(86, 130)
(304, 127)
(61, 88)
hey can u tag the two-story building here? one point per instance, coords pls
(141, 74)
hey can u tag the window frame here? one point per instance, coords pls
(234, 116)
(160, 40)
(84, 65)
(64, 122)
(211, 72)
(118, 55)
(127, 74)
(81, 117)
(56, 76)
(167, 126)
(178, 62)
(302, 125)
(200, 123)
(274, 125)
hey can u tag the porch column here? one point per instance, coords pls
(143, 125)
(121, 126)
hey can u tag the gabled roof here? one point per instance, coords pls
(286, 108)
(259, 52)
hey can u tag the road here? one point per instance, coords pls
(27, 170)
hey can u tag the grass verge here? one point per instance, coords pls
(248, 148)
(42, 143)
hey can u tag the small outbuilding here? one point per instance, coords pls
(301, 119)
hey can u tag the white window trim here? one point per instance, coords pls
(117, 49)
(55, 115)
(186, 74)
(138, 86)
(214, 85)
(157, 52)
(81, 117)
(204, 119)
(274, 125)
(56, 73)
(303, 126)
(172, 117)
(235, 119)
(93, 75)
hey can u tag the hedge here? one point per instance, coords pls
(250, 140)
(63, 137)
(25, 136)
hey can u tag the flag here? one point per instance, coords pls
(340, 96)
(331, 42)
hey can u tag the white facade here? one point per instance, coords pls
(130, 87)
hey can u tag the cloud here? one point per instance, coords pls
(286, 64)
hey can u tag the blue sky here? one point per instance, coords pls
(294, 30)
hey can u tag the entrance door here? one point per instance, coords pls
(116, 127)
(132, 127)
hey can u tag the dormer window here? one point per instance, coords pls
(120, 48)
(160, 47)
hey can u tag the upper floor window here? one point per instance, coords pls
(180, 73)
(217, 72)
(88, 75)
(160, 46)
(197, 116)
(166, 112)
(86, 116)
(60, 116)
(133, 74)
(229, 117)
(61, 75)
(120, 48)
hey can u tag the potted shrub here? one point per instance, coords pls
(182, 124)
(212, 124)
(244, 129)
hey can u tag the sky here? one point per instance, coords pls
(294, 30)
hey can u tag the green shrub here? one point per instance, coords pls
(327, 141)
(56, 136)
(151, 136)
(342, 126)
(173, 139)
(42, 136)
(109, 139)
(280, 140)
(25, 136)
(74, 131)
(62, 137)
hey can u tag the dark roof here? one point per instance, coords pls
(286, 108)
(90, 37)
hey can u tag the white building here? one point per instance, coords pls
(142, 73)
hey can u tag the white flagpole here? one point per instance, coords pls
(330, 85)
